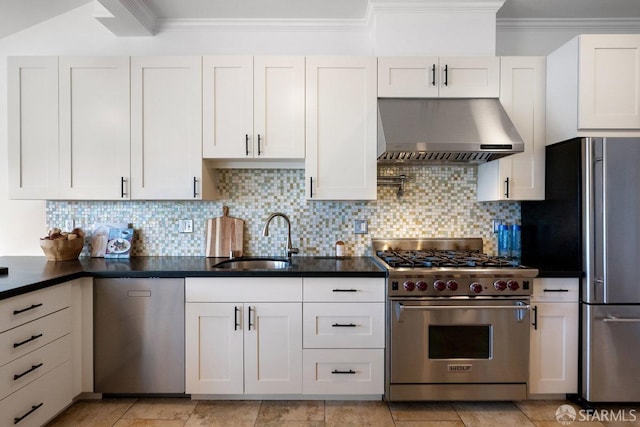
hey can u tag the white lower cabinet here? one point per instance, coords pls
(239, 345)
(554, 337)
(344, 336)
(249, 336)
(343, 371)
(36, 403)
(36, 369)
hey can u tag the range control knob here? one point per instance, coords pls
(513, 285)
(500, 285)
(452, 285)
(475, 287)
(439, 285)
(409, 285)
(422, 285)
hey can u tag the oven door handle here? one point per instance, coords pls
(463, 307)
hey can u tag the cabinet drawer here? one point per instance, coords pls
(233, 289)
(33, 335)
(31, 366)
(345, 325)
(343, 372)
(556, 290)
(36, 403)
(25, 308)
(343, 289)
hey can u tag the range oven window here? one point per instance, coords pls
(459, 341)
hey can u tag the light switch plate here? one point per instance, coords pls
(361, 226)
(185, 226)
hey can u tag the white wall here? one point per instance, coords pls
(541, 39)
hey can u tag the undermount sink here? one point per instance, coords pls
(254, 264)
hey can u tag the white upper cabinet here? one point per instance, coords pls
(522, 94)
(593, 87)
(341, 128)
(432, 77)
(32, 89)
(166, 130)
(253, 108)
(609, 93)
(94, 127)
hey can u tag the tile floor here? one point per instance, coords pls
(163, 412)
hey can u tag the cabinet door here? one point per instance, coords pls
(227, 107)
(166, 127)
(32, 98)
(469, 77)
(554, 349)
(340, 162)
(214, 348)
(273, 348)
(609, 90)
(278, 103)
(408, 76)
(522, 94)
(94, 127)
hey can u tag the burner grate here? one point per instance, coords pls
(443, 258)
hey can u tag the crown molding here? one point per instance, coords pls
(451, 6)
(268, 25)
(614, 25)
(260, 25)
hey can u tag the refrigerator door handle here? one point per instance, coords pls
(612, 319)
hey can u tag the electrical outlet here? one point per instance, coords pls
(496, 224)
(185, 226)
(69, 224)
(361, 226)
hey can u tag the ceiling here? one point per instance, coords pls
(141, 17)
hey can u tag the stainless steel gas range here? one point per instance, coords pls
(458, 321)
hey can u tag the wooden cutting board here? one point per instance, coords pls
(224, 234)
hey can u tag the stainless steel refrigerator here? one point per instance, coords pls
(589, 225)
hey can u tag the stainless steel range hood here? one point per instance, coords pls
(442, 130)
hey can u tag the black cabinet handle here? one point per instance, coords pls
(27, 309)
(506, 188)
(33, 337)
(246, 143)
(556, 290)
(195, 187)
(250, 324)
(345, 290)
(433, 75)
(446, 75)
(28, 371)
(535, 317)
(122, 182)
(31, 411)
(236, 310)
(259, 152)
(311, 187)
(343, 325)
(350, 371)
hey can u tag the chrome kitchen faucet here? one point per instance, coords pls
(290, 249)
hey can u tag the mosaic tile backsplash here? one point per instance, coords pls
(438, 201)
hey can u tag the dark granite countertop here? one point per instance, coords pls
(27, 274)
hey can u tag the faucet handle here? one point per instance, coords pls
(292, 251)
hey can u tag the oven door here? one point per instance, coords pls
(459, 341)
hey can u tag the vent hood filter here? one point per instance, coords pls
(444, 131)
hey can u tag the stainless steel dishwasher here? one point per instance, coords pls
(139, 336)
